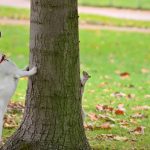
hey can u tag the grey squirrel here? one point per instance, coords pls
(84, 78)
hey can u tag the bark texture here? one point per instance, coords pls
(52, 118)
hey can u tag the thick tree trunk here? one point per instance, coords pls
(52, 118)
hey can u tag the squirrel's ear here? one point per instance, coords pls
(84, 73)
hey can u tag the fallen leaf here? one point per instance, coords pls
(100, 107)
(147, 96)
(121, 110)
(141, 108)
(123, 123)
(91, 91)
(106, 125)
(9, 121)
(131, 96)
(106, 90)
(89, 126)
(93, 117)
(144, 70)
(138, 116)
(105, 137)
(15, 106)
(107, 77)
(118, 94)
(102, 84)
(138, 130)
(108, 108)
(133, 121)
(111, 137)
(93, 126)
(106, 118)
(120, 138)
(117, 72)
(124, 75)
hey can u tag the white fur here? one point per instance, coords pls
(9, 76)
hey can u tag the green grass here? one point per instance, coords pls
(102, 53)
(16, 13)
(144, 4)
(111, 21)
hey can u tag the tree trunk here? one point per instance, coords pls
(52, 118)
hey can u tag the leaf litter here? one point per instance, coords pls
(12, 119)
(111, 137)
(104, 119)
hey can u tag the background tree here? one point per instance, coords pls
(52, 118)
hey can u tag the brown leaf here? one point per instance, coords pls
(147, 96)
(108, 108)
(89, 126)
(103, 84)
(106, 125)
(93, 117)
(131, 96)
(118, 94)
(124, 75)
(133, 121)
(120, 110)
(118, 72)
(105, 137)
(104, 108)
(144, 70)
(91, 91)
(141, 108)
(111, 137)
(15, 106)
(138, 130)
(138, 116)
(106, 118)
(120, 138)
(93, 126)
(123, 123)
(9, 121)
(99, 107)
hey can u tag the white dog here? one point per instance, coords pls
(9, 75)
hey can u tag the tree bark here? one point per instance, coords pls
(52, 118)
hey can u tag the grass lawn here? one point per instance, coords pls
(103, 54)
(144, 4)
(15, 13)
(111, 21)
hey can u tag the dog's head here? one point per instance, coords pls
(2, 58)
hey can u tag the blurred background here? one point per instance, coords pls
(114, 50)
